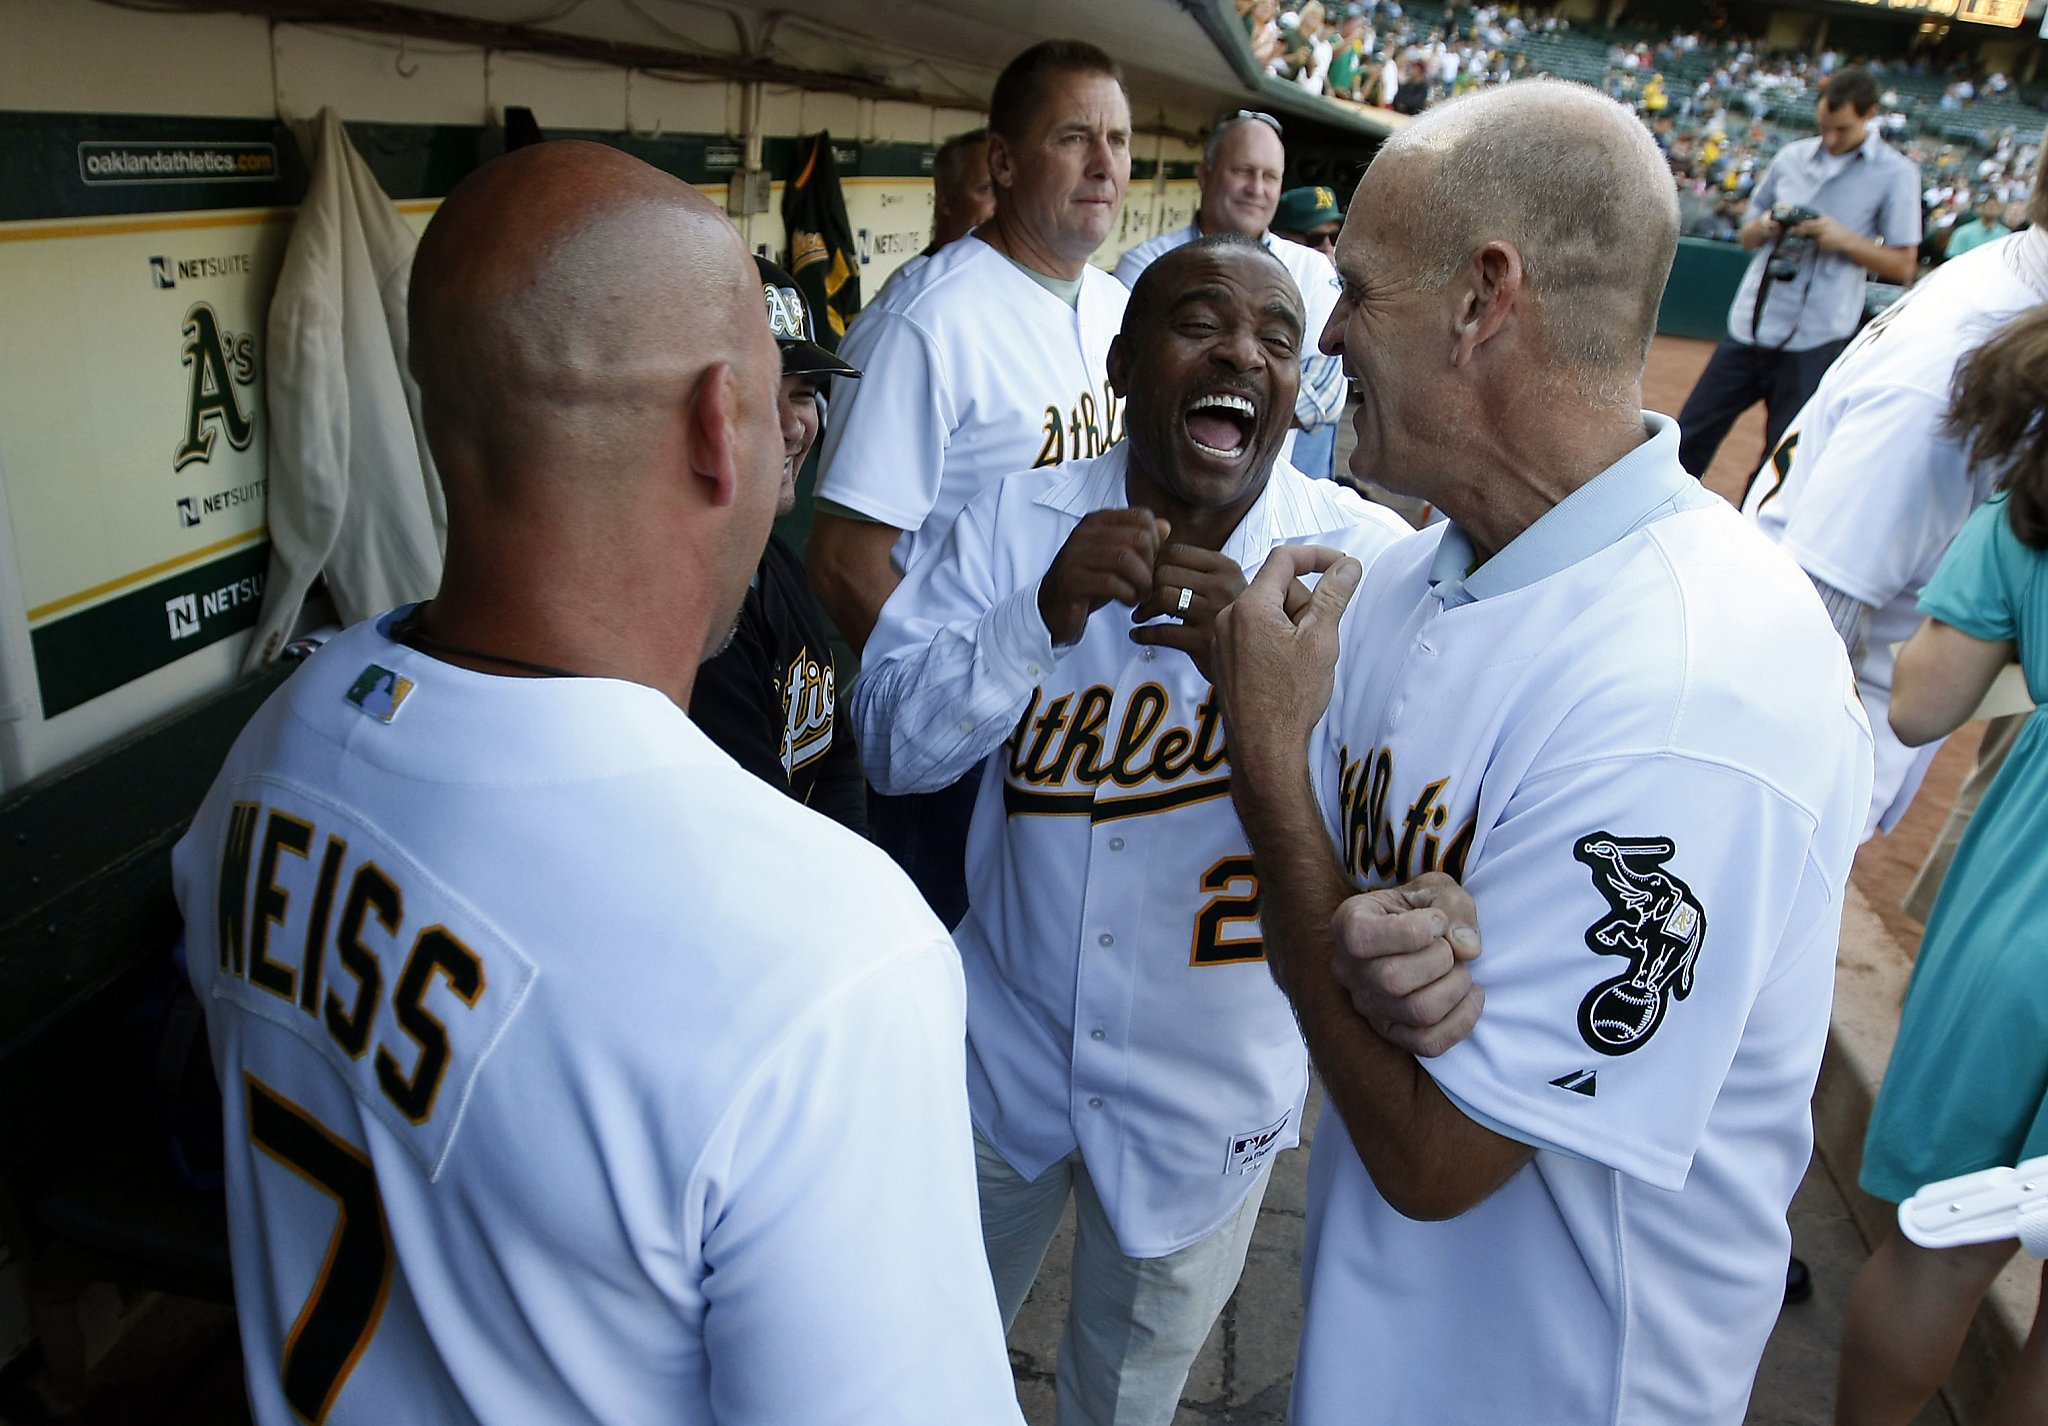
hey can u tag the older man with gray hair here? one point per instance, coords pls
(1617, 715)
(1240, 175)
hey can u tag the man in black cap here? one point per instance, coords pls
(770, 698)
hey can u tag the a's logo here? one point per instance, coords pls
(183, 610)
(1653, 919)
(379, 692)
(1325, 198)
(219, 362)
(160, 272)
(785, 312)
(188, 512)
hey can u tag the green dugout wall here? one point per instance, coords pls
(1704, 277)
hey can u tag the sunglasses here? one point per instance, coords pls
(1321, 240)
(1257, 116)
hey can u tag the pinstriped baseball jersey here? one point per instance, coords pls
(543, 1102)
(973, 371)
(1118, 998)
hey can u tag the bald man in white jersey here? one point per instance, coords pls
(543, 1101)
(1618, 715)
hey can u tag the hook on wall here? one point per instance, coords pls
(399, 63)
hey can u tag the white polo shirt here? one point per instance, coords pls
(1118, 999)
(1632, 735)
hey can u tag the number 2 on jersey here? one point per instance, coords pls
(342, 1311)
(1225, 909)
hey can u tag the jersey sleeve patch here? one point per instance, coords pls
(1655, 922)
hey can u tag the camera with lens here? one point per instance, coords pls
(1791, 249)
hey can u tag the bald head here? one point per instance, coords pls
(563, 300)
(1570, 179)
(599, 387)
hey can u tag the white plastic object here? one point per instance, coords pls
(1982, 1207)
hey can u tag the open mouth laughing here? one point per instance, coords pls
(1222, 423)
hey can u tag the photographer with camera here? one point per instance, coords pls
(1829, 211)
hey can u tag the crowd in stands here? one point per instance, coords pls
(1720, 107)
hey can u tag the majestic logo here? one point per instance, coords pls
(1586, 1082)
(183, 610)
(219, 361)
(1653, 919)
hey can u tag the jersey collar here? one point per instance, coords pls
(1645, 485)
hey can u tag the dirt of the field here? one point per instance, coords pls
(1886, 866)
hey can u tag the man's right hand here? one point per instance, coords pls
(1402, 954)
(1276, 657)
(1109, 556)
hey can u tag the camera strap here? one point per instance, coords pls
(1763, 291)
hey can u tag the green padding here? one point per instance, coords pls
(1704, 277)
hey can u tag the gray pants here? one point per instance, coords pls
(1134, 1325)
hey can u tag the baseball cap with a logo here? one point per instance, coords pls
(1301, 209)
(789, 317)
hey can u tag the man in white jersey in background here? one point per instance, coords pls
(1127, 1045)
(987, 360)
(542, 1101)
(1240, 174)
(963, 198)
(1867, 489)
(1615, 713)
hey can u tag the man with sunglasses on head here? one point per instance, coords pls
(1240, 176)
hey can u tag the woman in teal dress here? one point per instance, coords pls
(1967, 1087)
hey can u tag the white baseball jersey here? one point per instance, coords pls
(1866, 491)
(973, 371)
(1632, 736)
(1117, 994)
(546, 1099)
(1323, 389)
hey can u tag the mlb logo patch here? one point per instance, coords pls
(1248, 1150)
(379, 692)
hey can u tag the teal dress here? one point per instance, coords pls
(1968, 1084)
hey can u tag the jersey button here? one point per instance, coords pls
(1116, 844)
(1095, 1104)
(1032, 669)
(1094, 1034)
(1105, 939)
